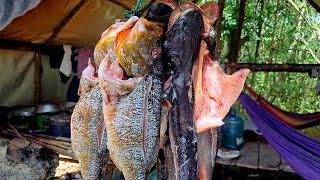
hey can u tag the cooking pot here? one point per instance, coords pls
(48, 108)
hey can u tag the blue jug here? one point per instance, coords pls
(232, 130)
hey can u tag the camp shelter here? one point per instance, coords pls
(26, 41)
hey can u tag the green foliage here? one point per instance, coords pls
(290, 33)
(138, 10)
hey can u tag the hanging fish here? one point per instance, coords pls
(132, 117)
(182, 45)
(88, 136)
(107, 41)
(219, 92)
(131, 43)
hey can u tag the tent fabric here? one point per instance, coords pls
(10, 9)
(16, 78)
(83, 30)
(52, 88)
(299, 151)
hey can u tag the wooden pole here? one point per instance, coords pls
(237, 36)
(218, 28)
(24, 45)
(37, 79)
(260, 24)
(274, 67)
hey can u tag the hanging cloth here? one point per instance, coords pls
(83, 55)
(66, 64)
(297, 121)
(299, 151)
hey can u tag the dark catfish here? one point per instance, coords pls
(182, 47)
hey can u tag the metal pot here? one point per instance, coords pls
(59, 125)
(22, 118)
(48, 108)
(23, 112)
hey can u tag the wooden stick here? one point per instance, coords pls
(47, 141)
(237, 46)
(53, 137)
(68, 160)
(218, 27)
(16, 132)
(60, 150)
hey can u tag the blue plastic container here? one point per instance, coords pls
(232, 130)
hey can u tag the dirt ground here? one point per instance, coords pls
(66, 167)
(28, 169)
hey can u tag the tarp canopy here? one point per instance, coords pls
(34, 22)
(83, 29)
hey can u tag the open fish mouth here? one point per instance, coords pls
(134, 44)
(113, 79)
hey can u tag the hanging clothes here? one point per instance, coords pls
(56, 57)
(66, 65)
(72, 94)
(299, 151)
(83, 55)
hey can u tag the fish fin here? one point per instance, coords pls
(166, 106)
(100, 132)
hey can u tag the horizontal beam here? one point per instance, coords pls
(24, 45)
(274, 67)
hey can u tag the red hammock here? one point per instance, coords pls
(297, 121)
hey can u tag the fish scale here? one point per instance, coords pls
(86, 117)
(126, 132)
